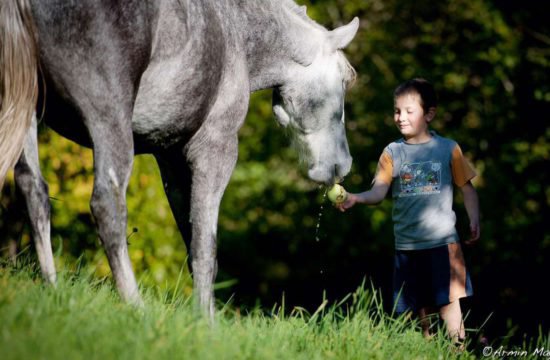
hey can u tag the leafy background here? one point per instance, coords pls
(489, 61)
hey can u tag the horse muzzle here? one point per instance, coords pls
(330, 173)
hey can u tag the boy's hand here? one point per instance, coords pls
(350, 201)
(471, 202)
(474, 233)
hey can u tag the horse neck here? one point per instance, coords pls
(275, 38)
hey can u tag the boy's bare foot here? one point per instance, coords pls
(459, 346)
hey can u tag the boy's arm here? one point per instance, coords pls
(375, 195)
(370, 197)
(381, 184)
(462, 174)
(471, 203)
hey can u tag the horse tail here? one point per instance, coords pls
(18, 80)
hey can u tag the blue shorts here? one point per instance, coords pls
(429, 278)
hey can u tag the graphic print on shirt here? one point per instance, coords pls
(420, 178)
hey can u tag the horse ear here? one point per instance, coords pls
(342, 36)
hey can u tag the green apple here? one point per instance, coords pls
(337, 194)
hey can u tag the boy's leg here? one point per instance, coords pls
(452, 315)
(425, 317)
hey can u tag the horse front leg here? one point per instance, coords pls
(211, 163)
(35, 192)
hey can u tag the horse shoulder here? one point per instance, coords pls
(193, 77)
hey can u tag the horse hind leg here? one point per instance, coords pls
(113, 158)
(35, 192)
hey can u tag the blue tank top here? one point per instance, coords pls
(422, 191)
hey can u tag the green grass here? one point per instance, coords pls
(83, 318)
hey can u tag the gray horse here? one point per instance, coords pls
(171, 78)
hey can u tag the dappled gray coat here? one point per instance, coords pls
(171, 78)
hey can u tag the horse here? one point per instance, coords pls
(171, 78)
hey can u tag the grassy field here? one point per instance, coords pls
(83, 318)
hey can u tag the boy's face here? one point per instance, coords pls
(410, 118)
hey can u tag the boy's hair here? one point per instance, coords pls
(421, 87)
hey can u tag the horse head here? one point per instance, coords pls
(310, 103)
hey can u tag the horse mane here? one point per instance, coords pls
(350, 75)
(301, 11)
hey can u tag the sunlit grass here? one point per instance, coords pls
(83, 318)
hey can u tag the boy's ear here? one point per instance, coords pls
(429, 116)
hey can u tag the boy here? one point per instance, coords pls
(429, 272)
